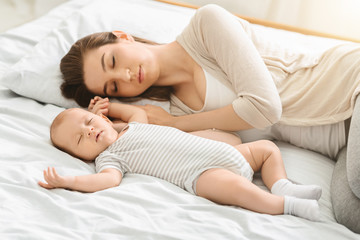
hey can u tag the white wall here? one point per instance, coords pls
(339, 17)
(16, 12)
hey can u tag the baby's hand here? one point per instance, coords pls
(54, 180)
(99, 105)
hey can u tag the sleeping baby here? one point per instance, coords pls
(209, 168)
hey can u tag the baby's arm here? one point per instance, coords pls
(117, 111)
(127, 113)
(107, 178)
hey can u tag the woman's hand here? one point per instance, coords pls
(99, 105)
(54, 180)
(157, 115)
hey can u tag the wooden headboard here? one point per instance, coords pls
(273, 24)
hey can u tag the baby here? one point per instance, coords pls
(211, 169)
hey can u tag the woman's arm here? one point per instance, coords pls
(107, 178)
(223, 118)
(226, 46)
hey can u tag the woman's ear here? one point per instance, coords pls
(123, 35)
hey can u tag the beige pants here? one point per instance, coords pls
(325, 139)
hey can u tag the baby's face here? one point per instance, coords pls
(84, 134)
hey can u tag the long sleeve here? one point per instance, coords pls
(218, 42)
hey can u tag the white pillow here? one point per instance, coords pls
(37, 74)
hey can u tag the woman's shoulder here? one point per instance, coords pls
(209, 22)
(211, 12)
(209, 9)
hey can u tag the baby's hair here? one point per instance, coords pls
(56, 122)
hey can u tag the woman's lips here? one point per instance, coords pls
(141, 74)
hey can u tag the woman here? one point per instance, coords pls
(215, 77)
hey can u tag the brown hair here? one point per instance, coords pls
(71, 67)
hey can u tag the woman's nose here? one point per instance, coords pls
(123, 75)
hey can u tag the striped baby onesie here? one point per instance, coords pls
(170, 154)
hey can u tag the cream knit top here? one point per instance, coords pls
(272, 83)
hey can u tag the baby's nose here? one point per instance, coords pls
(90, 131)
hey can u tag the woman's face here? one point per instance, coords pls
(122, 69)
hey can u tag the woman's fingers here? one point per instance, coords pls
(156, 114)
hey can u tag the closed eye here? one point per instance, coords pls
(113, 62)
(88, 122)
(115, 87)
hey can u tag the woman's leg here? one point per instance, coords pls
(225, 187)
(265, 156)
(353, 151)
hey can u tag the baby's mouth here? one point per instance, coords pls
(98, 135)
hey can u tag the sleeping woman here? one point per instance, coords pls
(220, 74)
(216, 77)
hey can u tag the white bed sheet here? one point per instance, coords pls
(142, 207)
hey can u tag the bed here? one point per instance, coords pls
(142, 207)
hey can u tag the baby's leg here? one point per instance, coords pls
(218, 135)
(225, 187)
(265, 156)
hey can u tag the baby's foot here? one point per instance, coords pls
(284, 187)
(304, 208)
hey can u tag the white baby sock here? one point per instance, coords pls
(305, 208)
(284, 187)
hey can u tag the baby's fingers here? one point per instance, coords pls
(91, 104)
(54, 173)
(50, 173)
(49, 176)
(47, 182)
(102, 105)
(101, 108)
(97, 99)
(45, 185)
